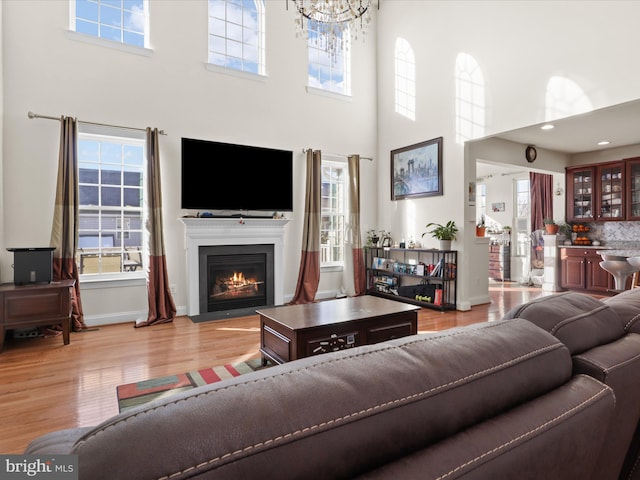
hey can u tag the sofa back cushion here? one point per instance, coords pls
(578, 320)
(335, 415)
(627, 306)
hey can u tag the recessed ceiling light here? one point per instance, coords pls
(604, 142)
(548, 126)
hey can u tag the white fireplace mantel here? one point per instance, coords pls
(204, 232)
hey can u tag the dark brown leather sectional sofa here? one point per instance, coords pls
(553, 394)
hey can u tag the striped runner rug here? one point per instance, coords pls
(133, 394)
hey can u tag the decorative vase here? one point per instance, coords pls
(551, 229)
(480, 231)
(445, 245)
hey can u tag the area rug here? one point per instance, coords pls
(133, 394)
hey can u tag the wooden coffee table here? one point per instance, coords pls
(296, 331)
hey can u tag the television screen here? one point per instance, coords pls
(223, 176)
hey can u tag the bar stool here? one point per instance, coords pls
(635, 262)
(620, 270)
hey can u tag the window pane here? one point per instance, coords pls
(110, 16)
(110, 33)
(88, 195)
(110, 196)
(86, 27)
(133, 39)
(87, 10)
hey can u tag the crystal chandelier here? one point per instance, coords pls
(332, 19)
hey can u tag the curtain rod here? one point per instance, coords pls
(32, 115)
(305, 150)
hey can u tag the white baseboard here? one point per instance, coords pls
(122, 317)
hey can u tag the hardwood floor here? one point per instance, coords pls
(47, 386)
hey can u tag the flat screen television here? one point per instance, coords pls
(224, 176)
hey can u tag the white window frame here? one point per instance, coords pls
(336, 237)
(122, 137)
(121, 44)
(319, 60)
(405, 79)
(229, 42)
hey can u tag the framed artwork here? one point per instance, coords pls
(416, 170)
(497, 207)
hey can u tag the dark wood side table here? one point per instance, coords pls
(296, 331)
(35, 305)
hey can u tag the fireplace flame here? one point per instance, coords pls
(236, 285)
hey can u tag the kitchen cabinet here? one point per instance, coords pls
(633, 188)
(604, 192)
(610, 185)
(580, 190)
(580, 270)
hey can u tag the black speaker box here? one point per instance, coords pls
(32, 265)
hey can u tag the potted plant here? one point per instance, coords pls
(550, 226)
(444, 233)
(372, 238)
(481, 228)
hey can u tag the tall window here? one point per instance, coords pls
(111, 184)
(334, 211)
(329, 71)
(521, 231)
(124, 21)
(481, 200)
(470, 104)
(405, 63)
(236, 35)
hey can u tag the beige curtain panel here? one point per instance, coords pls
(64, 231)
(309, 273)
(162, 308)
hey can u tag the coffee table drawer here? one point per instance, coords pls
(389, 332)
(333, 343)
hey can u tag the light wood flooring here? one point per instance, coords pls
(46, 386)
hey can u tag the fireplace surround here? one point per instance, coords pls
(207, 232)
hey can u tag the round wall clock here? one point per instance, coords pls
(530, 153)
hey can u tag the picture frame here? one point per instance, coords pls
(497, 207)
(416, 170)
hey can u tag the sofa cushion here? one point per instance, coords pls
(555, 437)
(627, 306)
(335, 415)
(578, 320)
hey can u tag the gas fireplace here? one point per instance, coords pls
(235, 277)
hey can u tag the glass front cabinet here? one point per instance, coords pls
(610, 198)
(580, 194)
(603, 192)
(633, 188)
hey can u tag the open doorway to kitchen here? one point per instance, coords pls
(503, 197)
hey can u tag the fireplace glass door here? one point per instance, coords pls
(236, 281)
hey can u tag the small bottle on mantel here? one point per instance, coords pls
(402, 243)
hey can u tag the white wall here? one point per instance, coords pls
(519, 46)
(50, 73)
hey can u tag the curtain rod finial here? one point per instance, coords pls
(31, 115)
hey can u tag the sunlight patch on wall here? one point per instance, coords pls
(564, 98)
(405, 79)
(470, 99)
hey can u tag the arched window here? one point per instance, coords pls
(470, 103)
(564, 98)
(236, 35)
(405, 79)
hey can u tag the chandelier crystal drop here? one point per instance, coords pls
(332, 19)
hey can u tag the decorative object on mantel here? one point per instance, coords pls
(332, 18)
(444, 233)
